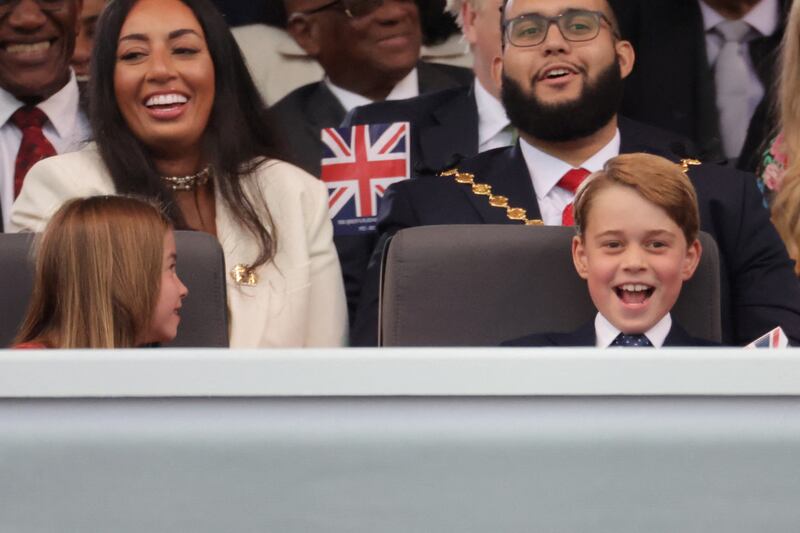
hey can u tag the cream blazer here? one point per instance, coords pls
(299, 298)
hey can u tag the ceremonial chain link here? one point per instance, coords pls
(518, 213)
(483, 189)
(686, 163)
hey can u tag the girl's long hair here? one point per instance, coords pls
(237, 139)
(98, 274)
(789, 91)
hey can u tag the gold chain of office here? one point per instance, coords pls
(501, 202)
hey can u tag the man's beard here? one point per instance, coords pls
(597, 104)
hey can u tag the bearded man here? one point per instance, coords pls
(561, 70)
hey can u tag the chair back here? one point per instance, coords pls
(201, 267)
(479, 285)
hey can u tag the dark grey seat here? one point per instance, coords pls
(478, 285)
(201, 267)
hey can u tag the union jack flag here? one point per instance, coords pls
(358, 164)
(772, 340)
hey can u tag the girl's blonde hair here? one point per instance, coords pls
(98, 274)
(786, 217)
(789, 91)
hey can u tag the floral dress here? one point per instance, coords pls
(772, 168)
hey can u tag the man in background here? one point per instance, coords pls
(705, 69)
(369, 52)
(459, 122)
(40, 111)
(84, 43)
(562, 72)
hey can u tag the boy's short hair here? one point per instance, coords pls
(657, 180)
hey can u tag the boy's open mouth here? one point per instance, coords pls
(634, 293)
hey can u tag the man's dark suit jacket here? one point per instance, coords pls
(444, 125)
(301, 114)
(585, 336)
(758, 287)
(672, 85)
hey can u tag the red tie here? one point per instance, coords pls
(34, 146)
(570, 182)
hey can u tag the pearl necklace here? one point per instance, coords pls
(188, 183)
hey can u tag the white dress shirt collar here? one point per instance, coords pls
(408, 87)
(492, 119)
(59, 108)
(764, 17)
(546, 170)
(605, 332)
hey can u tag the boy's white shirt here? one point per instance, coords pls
(605, 332)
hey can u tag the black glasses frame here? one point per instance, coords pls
(374, 4)
(601, 17)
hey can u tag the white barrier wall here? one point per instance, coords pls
(399, 441)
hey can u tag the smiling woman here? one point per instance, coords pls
(176, 117)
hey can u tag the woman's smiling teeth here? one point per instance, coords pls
(166, 100)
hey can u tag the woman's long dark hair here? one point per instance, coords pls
(236, 141)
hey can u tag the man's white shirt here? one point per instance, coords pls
(67, 129)
(546, 171)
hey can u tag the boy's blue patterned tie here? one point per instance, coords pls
(632, 341)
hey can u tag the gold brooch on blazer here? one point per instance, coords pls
(244, 275)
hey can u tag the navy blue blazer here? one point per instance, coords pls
(586, 336)
(758, 287)
(301, 115)
(444, 125)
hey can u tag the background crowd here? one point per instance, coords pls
(215, 113)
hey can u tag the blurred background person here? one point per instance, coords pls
(40, 113)
(786, 218)
(369, 51)
(704, 69)
(780, 159)
(105, 278)
(446, 125)
(279, 65)
(84, 42)
(459, 122)
(177, 118)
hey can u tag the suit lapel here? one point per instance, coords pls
(584, 336)
(324, 111)
(678, 336)
(431, 79)
(504, 169)
(439, 146)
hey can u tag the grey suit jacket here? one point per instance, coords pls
(301, 114)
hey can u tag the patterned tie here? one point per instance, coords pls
(632, 341)
(731, 77)
(34, 146)
(570, 182)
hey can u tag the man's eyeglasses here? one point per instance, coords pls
(45, 5)
(352, 8)
(575, 25)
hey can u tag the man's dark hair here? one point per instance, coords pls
(237, 138)
(437, 24)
